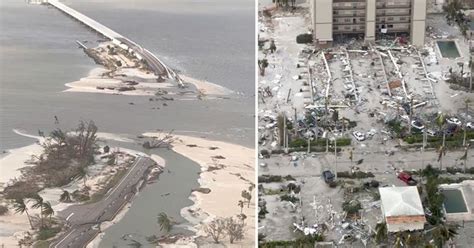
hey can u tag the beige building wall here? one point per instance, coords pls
(322, 21)
(418, 20)
(370, 19)
(367, 17)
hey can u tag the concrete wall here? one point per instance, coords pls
(322, 21)
(370, 20)
(418, 22)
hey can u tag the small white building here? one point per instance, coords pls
(402, 208)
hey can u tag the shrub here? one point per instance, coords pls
(46, 233)
(351, 207)
(3, 210)
(355, 175)
(304, 38)
(289, 198)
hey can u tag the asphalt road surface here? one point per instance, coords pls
(155, 65)
(83, 221)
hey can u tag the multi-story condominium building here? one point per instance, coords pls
(368, 18)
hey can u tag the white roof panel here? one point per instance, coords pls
(401, 201)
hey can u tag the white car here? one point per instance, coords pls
(417, 125)
(470, 125)
(358, 135)
(431, 132)
(454, 120)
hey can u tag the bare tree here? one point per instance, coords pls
(247, 196)
(216, 229)
(162, 140)
(234, 229)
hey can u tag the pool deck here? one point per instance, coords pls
(467, 190)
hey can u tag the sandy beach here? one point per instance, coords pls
(95, 82)
(206, 87)
(226, 183)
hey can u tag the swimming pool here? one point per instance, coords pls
(454, 201)
(448, 49)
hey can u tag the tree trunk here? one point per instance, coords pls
(29, 219)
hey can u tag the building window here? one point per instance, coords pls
(390, 26)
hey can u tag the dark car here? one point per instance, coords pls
(407, 178)
(328, 176)
(451, 129)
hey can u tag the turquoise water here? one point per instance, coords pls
(448, 49)
(454, 201)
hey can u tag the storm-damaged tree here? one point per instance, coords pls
(82, 174)
(65, 196)
(216, 229)
(165, 222)
(39, 203)
(272, 46)
(48, 210)
(444, 232)
(20, 207)
(454, 14)
(241, 205)
(234, 229)
(86, 132)
(247, 196)
(262, 65)
(162, 140)
(381, 232)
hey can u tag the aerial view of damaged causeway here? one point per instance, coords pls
(106, 143)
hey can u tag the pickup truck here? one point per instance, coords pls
(407, 178)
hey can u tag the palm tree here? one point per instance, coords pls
(82, 174)
(241, 205)
(164, 222)
(247, 196)
(65, 196)
(20, 207)
(381, 232)
(48, 211)
(38, 203)
(443, 233)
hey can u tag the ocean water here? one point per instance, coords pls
(38, 55)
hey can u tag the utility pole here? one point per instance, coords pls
(284, 133)
(335, 154)
(295, 122)
(309, 145)
(470, 61)
(411, 114)
(423, 149)
(470, 73)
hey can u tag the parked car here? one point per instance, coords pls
(328, 176)
(451, 129)
(417, 124)
(454, 120)
(431, 132)
(470, 125)
(358, 136)
(407, 178)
